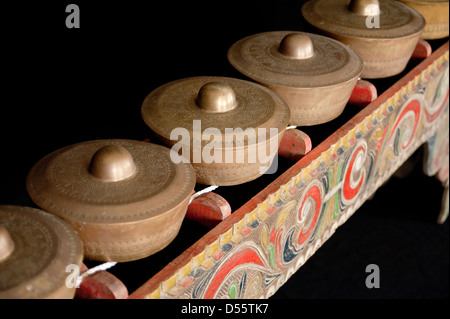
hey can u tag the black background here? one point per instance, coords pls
(62, 86)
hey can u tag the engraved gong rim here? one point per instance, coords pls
(396, 19)
(62, 184)
(44, 245)
(174, 105)
(436, 14)
(258, 57)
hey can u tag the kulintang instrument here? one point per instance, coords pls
(126, 199)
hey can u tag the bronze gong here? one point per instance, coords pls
(314, 74)
(126, 199)
(436, 17)
(35, 249)
(384, 33)
(218, 116)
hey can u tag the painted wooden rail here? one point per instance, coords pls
(259, 246)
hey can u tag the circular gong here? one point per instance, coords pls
(436, 15)
(294, 59)
(314, 74)
(222, 122)
(350, 17)
(218, 102)
(125, 198)
(383, 33)
(35, 249)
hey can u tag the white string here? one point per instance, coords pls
(291, 127)
(95, 269)
(203, 191)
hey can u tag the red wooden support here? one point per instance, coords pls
(422, 51)
(294, 145)
(208, 209)
(101, 285)
(363, 93)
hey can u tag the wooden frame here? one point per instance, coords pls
(258, 247)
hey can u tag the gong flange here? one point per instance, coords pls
(436, 14)
(314, 74)
(36, 248)
(125, 198)
(211, 109)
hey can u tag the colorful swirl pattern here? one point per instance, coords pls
(261, 251)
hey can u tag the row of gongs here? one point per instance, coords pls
(125, 200)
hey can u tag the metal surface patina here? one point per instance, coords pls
(125, 198)
(231, 108)
(314, 74)
(384, 33)
(436, 16)
(35, 248)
